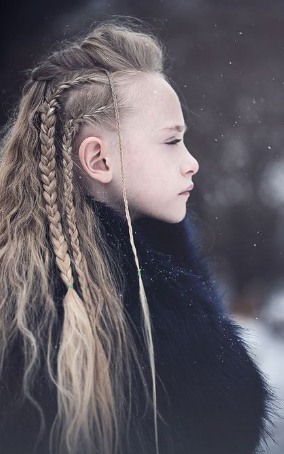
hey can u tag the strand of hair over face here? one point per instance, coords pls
(142, 293)
(62, 257)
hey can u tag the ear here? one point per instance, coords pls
(95, 159)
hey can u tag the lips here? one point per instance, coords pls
(189, 188)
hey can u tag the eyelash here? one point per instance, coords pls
(174, 142)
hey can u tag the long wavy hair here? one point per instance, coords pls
(48, 231)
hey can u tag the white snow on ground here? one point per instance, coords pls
(267, 349)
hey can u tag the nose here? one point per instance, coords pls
(191, 165)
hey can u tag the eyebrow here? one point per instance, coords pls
(178, 128)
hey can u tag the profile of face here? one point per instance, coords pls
(157, 165)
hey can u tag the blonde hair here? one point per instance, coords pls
(48, 232)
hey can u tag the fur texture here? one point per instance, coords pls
(210, 392)
(218, 400)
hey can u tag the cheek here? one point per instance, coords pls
(147, 171)
(144, 183)
(132, 160)
(135, 163)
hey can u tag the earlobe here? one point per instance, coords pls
(95, 160)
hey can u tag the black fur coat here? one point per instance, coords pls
(217, 401)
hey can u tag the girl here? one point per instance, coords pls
(113, 337)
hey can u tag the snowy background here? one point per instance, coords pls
(267, 348)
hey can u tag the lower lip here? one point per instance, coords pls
(184, 193)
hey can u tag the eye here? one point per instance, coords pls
(174, 142)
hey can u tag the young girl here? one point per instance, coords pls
(114, 338)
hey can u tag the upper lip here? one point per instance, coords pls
(189, 188)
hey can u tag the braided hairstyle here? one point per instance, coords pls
(49, 232)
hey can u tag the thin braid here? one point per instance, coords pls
(73, 83)
(142, 293)
(70, 129)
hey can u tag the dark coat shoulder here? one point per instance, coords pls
(211, 392)
(212, 396)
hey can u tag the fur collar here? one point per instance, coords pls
(214, 397)
(210, 393)
(168, 253)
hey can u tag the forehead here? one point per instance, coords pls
(155, 103)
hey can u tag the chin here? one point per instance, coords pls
(164, 216)
(181, 218)
(175, 219)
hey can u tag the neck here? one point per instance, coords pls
(175, 240)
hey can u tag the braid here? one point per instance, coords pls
(71, 128)
(47, 167)
(73, 83)
(142, 294)
(48, 177)
(69, 131)
(72, 302)
(48, 120)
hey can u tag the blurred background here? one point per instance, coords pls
(226, 61)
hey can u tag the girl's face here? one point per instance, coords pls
(157, 164)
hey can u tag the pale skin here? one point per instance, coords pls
(155, 171)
